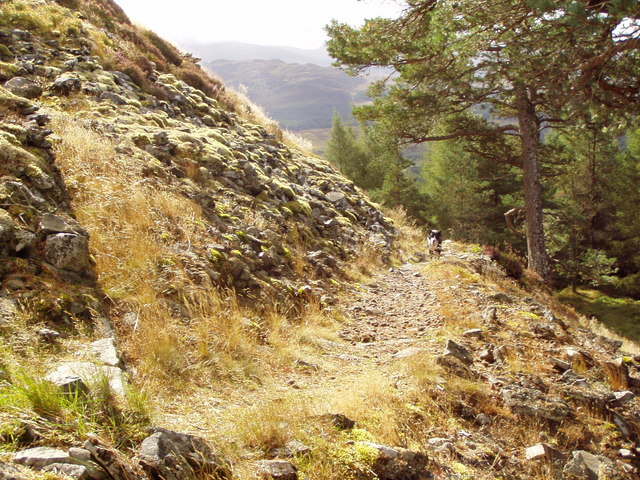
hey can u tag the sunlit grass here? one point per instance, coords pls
(620, 315)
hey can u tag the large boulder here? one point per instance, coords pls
(68, 251)
(22, 87)
(167, 455)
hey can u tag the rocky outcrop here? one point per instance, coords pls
(163, 455)
(398, 463)
(175, 456)
(183, 140)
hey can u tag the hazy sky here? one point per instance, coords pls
(296, 23)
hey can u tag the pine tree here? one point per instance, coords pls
(523, 59)
(471, 193)
(373, 161)
(344, 152)
(582, 217)
(625, 244)
(400, 189)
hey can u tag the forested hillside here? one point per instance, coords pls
(299, 97)
(525, 107)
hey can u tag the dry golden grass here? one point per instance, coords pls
(300, 249)
(137, 234)
(270, 425)
(597, 327)
(371, 401)
(368, 258)
(410, 238)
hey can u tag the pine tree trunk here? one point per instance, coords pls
(538, 258)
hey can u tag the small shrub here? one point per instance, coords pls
(168, 51)
(5, 53)
(511, 263)
(628, 286)
(193, 76)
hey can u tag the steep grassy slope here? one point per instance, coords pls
(136, 202)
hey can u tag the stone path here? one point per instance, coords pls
(393, 312)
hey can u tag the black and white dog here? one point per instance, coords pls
(434, 242)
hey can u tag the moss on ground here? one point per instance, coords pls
(621, 315)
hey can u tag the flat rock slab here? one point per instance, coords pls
(40, 457)
(90, 374)
(77, 472)
(624, 397)
(408, 352)
(106, 352)
(50, 223)
(542, 451)
(276, 470)
(474, 333)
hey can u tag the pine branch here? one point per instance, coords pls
(471, 133)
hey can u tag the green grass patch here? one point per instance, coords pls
(28, 402)
(621, 315)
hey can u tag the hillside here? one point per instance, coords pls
(298, 88)
(301, 98)
(239, 52)
(185, 294)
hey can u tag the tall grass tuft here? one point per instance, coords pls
(30, 402)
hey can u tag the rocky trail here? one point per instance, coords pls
(397, 309)
(519, 381)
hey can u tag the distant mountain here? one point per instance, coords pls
(299, 97)
(244, 51)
